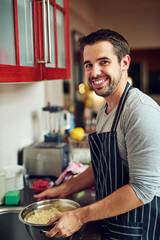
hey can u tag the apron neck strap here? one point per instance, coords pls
(120, 107)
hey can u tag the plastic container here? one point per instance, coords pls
(19, 181)
(2, 186)
(10, 181)
(14, 177)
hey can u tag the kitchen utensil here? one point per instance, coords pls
(36, 231)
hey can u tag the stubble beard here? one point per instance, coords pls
(113, 83)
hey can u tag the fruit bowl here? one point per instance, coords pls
(39, 185)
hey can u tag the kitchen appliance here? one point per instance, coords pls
(46, 159)
(56, 121)
(51, 157)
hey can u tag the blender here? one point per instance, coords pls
(56, 121)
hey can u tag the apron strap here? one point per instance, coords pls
(120, 107)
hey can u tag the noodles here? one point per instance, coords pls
(41, 216)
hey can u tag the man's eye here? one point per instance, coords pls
(104, 62)
(88, 65)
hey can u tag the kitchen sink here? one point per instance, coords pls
(10, 226)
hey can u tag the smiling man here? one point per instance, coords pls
(125, 150)
(99, 69)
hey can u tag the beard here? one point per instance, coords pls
(110, 88)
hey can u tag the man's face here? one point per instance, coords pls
(102, 69)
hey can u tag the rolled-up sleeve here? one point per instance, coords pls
(143, 151)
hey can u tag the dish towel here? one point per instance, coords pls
(72, 169)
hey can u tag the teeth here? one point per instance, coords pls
(99, 82)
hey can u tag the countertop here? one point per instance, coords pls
(83, 198)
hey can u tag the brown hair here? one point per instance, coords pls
(120, 44)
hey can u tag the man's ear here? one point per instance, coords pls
(125, 62)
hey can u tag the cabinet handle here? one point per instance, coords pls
(46, 23)
(48, 33)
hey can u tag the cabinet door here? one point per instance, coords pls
(57, 41)
(18, 42)
(34, 40)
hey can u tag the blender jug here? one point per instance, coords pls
(56, 120)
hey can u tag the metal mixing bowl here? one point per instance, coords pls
(36, 231)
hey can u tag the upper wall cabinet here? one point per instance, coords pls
(34, 40)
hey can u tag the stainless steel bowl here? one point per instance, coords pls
(36, 231)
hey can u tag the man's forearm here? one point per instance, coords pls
(83, 181)
(122, 200)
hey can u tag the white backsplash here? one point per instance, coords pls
(21, 115)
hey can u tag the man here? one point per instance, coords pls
(125, 150)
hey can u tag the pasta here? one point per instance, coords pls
(41, 216)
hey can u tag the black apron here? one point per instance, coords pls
(142, 223)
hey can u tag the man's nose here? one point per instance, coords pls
(96, 71)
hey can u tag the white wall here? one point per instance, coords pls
(21, 120)
(54, 92)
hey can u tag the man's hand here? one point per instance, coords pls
(68, 223)
(55, 192)
(83, 181)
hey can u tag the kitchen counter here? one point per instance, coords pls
(83, 198)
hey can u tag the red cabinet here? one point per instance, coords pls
(34, 40)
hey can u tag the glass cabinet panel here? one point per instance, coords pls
(7, 37)
(25, 27)
(60, 39)
(60, 3)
